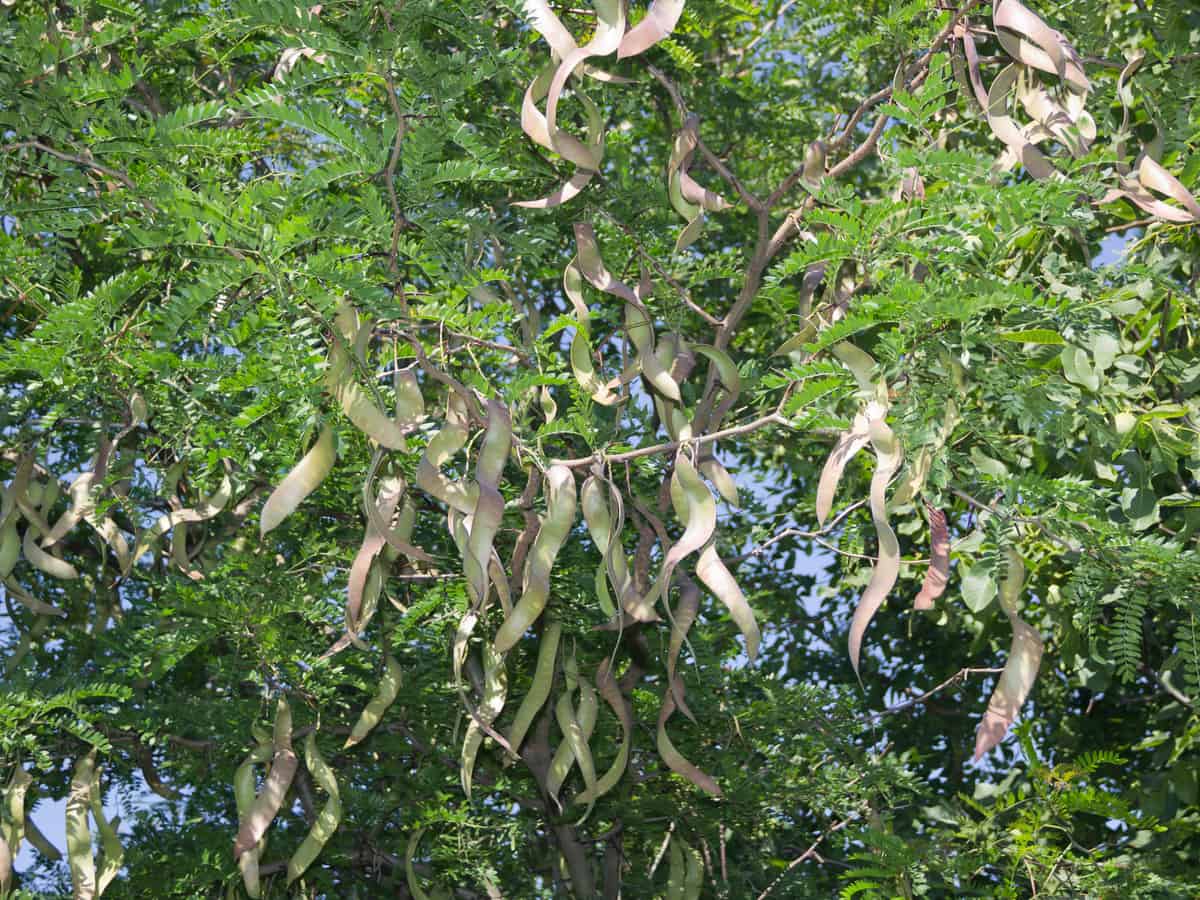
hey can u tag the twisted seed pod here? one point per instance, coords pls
(1020, 672)
(112, 854)
(495, 689)
(305, 478)
(718, 579)
(682, 618)
(79, 834)
(687, 197)
(12, 824)
(389, 687)
(283, 769)
(638, 323)
(887, 568)
(339, 379)
(414, 886)
(576, 725)
(939, 561)
(556, 524)
(660, 21)
(243, 796)
(43, 561)
(327, 820)
(672, 757)
(441, 447)
(611, 692)
(1029, 40)
(204, 510)
(694, 505)
(539, 691)
(607, 536)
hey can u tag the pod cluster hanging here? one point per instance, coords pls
(1057, 111)
(569, 59)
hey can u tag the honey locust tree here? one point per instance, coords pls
(526, 449)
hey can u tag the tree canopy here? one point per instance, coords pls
(510, 448)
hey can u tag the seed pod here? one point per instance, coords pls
(576, 725)
(40, 559)
(938, 572)
(847, 447)
(555, 526)
(543, 679)
(79, 834)
(682, 619)
(358, 407)
(659, 22)
(495, 690)
(327, 820)
(389, 687)
(611, 692)
(305, 478)
(1020, 672)
(441, 447)
(887, 568)
(112, 854)
(718, 579)
(414, 886)
(694, 505)
(206, 509)
(672, 757)
(12, 824)
(283, 769)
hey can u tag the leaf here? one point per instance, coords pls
(978, 587)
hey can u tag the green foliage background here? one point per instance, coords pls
(180, 224)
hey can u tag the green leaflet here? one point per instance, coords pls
(327, 820)
(305, 478)
(1020, 672)
(283, 769)
(79, 834)
(555, 526)
(539, 690)
(389, 686)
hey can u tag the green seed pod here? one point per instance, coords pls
(389, 687)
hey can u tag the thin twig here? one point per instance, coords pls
(809, 853)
